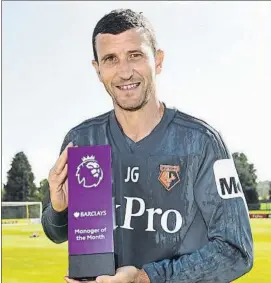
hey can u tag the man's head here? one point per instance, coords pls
(126, 58)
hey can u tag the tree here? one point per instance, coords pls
(43, 190)
(20, 180)
(247, 176)
(246, 171)
(263, 189)
(2, 192)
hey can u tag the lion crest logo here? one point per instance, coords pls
(89, 173)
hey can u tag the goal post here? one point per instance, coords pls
(21, 212)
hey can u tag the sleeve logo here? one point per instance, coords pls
(227, 180)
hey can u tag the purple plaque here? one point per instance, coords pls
(90, 212)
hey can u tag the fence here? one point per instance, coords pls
(265, 206)
(260, 210)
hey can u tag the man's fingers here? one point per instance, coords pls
(107, 279)
(99, 279)
(63, 174)
(60, 163)
(69, 280)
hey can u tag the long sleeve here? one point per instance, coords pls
(219, 196)
(55, 224)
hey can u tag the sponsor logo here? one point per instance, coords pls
(230, 186)
(81, 214)
(89, 173)
(170, 220)
(76, 214)
(258, 215)
(169, 176)
(227, 180)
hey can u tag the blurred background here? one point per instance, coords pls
(217, 68)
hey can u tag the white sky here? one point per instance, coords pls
(217, 67)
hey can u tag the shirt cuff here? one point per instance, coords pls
(152, 273)
(57, 218)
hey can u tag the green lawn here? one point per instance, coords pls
(37, 260)
(31, 260)
(261, 271)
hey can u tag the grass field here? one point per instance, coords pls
(37, 260)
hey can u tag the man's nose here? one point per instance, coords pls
(125, 70)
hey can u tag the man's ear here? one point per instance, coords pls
(159, 59)
(97, 69)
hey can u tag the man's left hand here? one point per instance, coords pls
(126, 274)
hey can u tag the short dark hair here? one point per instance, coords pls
(120, 20)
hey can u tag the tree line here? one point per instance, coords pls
(20, 184)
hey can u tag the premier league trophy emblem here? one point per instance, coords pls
(89, 172)
(90, 212)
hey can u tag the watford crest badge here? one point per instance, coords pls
(169, 176)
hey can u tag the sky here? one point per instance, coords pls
(217, 67)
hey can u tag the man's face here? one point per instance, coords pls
(127, 67)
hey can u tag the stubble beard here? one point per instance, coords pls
(147, 94)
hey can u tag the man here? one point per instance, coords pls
(181, 212)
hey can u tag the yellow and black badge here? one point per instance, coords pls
(169, 176)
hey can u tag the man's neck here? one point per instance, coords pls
(139, 124)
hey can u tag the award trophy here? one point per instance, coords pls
(90, 212)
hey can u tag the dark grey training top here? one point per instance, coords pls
(180, 209)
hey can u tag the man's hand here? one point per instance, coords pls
(58, 181)
(126, 274)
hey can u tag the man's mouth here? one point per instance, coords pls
(128, 87)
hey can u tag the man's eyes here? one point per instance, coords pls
(110, 59)
(113, 59)
(135, 55)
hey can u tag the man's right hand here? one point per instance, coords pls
(58, 182)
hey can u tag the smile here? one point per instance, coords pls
(128, 87)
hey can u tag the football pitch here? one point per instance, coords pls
(37, 260)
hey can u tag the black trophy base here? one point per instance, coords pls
(88, 267)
